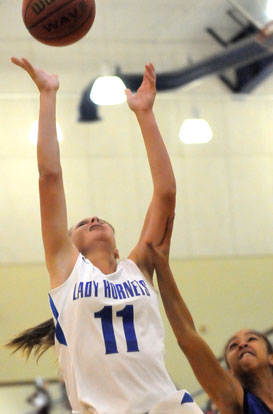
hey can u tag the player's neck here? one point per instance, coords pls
(103, 261)
(262, 387)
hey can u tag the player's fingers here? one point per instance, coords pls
(150, 67)
(128, 93)
(150, 72)
(28, 66)
(17, 61)
(23, 63)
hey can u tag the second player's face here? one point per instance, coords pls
(247, 351)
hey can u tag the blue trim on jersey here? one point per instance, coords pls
(106, 317)
(187, 398)
(58, 330)
(127, 315)
(254, 405)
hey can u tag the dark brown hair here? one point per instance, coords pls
(34, 340)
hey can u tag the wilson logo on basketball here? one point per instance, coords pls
(40, 5)
(61, 21)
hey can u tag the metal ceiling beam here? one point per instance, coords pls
(240, 54)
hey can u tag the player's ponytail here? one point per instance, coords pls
(37, 339)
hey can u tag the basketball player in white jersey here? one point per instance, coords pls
(108, 330)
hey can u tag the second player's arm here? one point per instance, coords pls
(224, 389)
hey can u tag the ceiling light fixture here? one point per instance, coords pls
(195, 131)
(108, 90)
(269, 9)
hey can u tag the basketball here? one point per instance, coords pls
(58, 22)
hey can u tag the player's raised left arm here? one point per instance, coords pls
(223, 388)
(163, 200)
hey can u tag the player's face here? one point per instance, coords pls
(91, 230)
(247, 351)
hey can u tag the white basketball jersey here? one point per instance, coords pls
(110, 340)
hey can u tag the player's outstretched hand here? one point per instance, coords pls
(161, 252)
(144, 98)
(43, 80)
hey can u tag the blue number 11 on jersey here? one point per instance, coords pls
(127, 315)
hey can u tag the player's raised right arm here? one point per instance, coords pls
(60, 253)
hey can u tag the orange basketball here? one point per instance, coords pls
(58, 22)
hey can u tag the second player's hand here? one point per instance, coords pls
(43, 80)
(144, 98)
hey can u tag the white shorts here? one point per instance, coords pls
(180, 402)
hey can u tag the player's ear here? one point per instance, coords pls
(116, 254)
